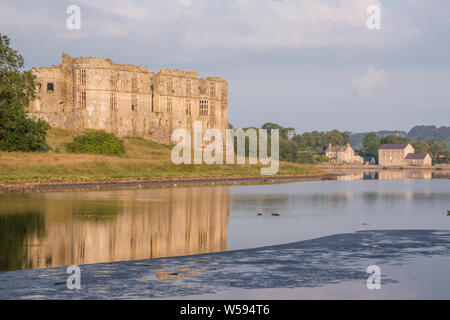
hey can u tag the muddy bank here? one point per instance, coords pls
(299, 270)
(109, 183)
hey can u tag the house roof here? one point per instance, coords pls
(394, 146)
(336, 149)
(416, 156)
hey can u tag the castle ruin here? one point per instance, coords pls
(127, 100)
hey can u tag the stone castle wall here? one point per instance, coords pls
(127, 100)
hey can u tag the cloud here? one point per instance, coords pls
(233, 23)
(369, 85)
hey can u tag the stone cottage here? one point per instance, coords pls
(343, 154)
(418, 159)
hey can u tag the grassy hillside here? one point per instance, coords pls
(143, 159)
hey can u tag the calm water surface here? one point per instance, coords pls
(65, 228)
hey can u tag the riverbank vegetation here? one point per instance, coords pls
(142, 159)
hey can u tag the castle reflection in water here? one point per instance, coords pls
(58, 229)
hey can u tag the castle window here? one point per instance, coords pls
(188, 87)
(134, 83)
(203, 107)
(188, 107)
(81, 100)
(202, 88)
(212, 108)
(81, 76)
(152, 95)
(113, 81)
(50, 87)
(134, 103)
(169, 105)
(113, 101)
(212, 90)
(39, 87)
(169, 85)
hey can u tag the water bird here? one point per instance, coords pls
(259, 214)
(275, 214)
(448, 212)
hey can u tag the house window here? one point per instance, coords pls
(169, 85)
(188, 107)
(188, 86)
(113, 101)
(212, 90)
(134, 103)
(81, 76)
(81, 99)
(169, 105)
(203, 107)
(50, 87)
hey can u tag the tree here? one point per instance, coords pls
(438, 151)
(370, 145)
(394, 139)
(18, 132)
(305, 156)
(269, 126)
(288, 150)
(421, 146)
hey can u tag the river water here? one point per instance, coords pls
(41, 230)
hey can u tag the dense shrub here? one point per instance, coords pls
(96, 142)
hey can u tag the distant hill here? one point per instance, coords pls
(416, 133)
(429, 132)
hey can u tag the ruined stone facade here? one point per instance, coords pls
(127, 100)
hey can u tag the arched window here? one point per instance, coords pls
(50, 87)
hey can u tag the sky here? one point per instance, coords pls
(306, 64)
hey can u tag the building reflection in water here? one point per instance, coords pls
(384, 175)
(58, 229)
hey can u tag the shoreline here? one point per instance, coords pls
(442, 168)
(116, 183)
(330, 172)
